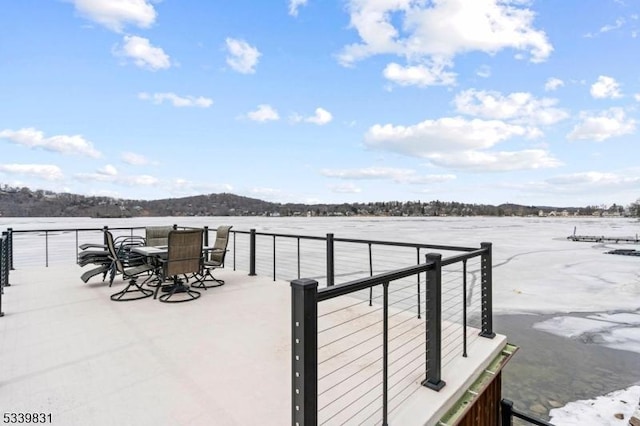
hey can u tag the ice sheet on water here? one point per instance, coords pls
(618, 330)
(536, 269)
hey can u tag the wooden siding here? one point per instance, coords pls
(485, 410)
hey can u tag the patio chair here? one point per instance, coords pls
(122, 261)
(157, 235)
(184, 256)
(98, 254)
(216, 259)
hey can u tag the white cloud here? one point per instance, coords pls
(140, 180)
(610, 27)
(433, 33)
(110, 174)
(123, 180)
(386, 173)
(594, 178)
(263, 114)
(115, 14)
(321, 117)
(266, 193)
(637, 97)
(345, 188)
(496, 161)
(484, 71)
(136, 159)
(419, 75)
(184, 186)
(64, 144)
(607, 124)
(242, 56)
(40, 171)
(521, 107)
(294, 5)
(143, 54)
(94, 177)
(605, 87)
(458, 143)
(444, 134)
(619, 23)
(108, 170)
(552, 84)
(176, 101)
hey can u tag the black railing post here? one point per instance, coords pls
(304, 352)
(175, 226)
(104, 234)
(464, 308)
(486, 292)
(252, 252)
(4, 272)
(434, 324)
(418, 279)
(298, 256)
(385, 355)
(506, 412)
(370, 274)
(10, 231)
(330, 265)
(46, 248)
(77, 248)
(206, 236)
(5, 259)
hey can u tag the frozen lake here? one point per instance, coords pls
(552, 296)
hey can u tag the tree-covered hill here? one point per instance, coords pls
(24, 202)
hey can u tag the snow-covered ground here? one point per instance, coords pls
(536, 270)
(613, 409)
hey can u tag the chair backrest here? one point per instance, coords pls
(184, 254)
(157, 235)
(220, 245)
(113, 253)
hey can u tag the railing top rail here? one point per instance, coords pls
(361, 241)
(25, 231)
(305, 237)
(464, 256)
(404, 244)
(363, 283)
(271, 234)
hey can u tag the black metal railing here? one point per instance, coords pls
(508, 412)
(327, 259)
(359, 360)
(91, 235)
(281, 256)
(418, 300)
(5, 264)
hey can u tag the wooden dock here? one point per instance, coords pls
(625, 252)
(603, 239)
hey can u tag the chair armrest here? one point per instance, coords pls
(91, 245)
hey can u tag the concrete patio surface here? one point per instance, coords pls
(224, 359)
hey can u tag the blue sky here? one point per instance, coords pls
(490, 101)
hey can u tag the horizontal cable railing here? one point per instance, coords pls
(363, 347)
(281, 256)
(327, 259)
